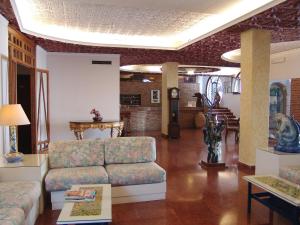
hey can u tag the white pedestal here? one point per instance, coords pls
(268, 161)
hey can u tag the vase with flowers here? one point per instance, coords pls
(97, 116)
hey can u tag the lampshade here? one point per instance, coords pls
(13, 114)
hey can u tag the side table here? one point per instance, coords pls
(33, 168)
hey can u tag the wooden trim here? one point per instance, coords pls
(20, 48)
(14, 31)
(42, 70)
(41, 95)
(12, 82)
(246, 168)
(33, 110)
(164, 135)
(21, 51)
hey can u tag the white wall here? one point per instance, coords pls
(3, 36)
(232, 102)
(4, 135)
(285, 65)
(77, 86)
(41, 57)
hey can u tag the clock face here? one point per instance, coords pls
(174, 93)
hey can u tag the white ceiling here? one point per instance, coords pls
(276, 48)
(164, 24)
(157, 68)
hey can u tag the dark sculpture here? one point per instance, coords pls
(287, 134)
(217, 99)
(212, 137)
(199, 102)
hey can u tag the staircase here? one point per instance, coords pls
(220, 113)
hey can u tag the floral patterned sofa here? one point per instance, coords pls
(127, 163)
(19, 202)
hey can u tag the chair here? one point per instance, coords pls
(232, 127)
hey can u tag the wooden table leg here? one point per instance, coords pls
(249, 196)
(296, 216)
(78, 135)
(111, 132)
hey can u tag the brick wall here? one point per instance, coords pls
(144, 89)
(295, 98)
(187, 90)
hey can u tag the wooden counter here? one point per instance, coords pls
(149, 118)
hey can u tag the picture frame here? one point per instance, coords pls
(155, 96)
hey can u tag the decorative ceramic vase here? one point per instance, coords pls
(199, 120)
(97, 119)
(213, 137)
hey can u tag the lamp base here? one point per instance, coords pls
(13, 157)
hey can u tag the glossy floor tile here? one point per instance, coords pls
(194, 195)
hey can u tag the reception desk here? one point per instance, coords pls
(149, 118)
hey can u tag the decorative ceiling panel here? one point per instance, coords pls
(283, 21)
(163, 25)
(94, 16)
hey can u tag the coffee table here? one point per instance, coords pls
(95, 212)
(279, 195)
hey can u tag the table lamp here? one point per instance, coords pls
(13, 115)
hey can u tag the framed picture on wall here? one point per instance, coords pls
(155, 96)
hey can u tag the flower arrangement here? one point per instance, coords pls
(97, 116)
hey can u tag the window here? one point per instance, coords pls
(214, 85)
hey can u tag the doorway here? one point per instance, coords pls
(24, 87)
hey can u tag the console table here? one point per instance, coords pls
(278, 194)
(78, 127)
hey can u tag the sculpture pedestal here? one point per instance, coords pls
(218, 165)
(268, 161)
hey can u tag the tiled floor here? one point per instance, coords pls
(194, 195)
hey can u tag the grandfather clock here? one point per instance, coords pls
(173, 127)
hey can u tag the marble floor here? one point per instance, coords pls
(194, 195)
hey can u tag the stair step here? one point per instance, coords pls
(222, 113)
(228, 116)
(220, 110)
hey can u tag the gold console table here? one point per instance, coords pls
(78, 127)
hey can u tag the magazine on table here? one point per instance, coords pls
(80, 195)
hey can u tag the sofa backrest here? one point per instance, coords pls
(130, 150)
(76, 153)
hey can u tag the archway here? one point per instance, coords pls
(278, 95)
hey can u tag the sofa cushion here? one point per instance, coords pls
(290, 173)
(136, 173)
(12, 216)
(63, 178)
(130, 150)
(19, 194)
(76, 153)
